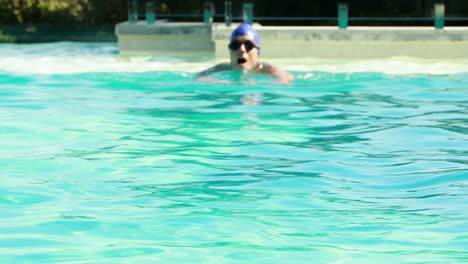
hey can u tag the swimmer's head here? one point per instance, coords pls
(246, 30)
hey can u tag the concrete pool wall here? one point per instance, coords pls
(295, 42)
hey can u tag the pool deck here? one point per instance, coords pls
(181, 39)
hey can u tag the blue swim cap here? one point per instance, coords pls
(246, 30)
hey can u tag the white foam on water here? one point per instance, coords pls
(393, 65)
(73, 57)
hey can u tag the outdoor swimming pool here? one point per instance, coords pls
(129, 160)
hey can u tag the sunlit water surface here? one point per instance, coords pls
(130, 160)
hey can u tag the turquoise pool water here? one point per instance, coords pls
(129, 160)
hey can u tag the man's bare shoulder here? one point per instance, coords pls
(217, 68)
(277, 72)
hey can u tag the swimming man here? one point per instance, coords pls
(244, 50)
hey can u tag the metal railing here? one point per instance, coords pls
(342, 17)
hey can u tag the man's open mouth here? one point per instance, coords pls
(241, 61)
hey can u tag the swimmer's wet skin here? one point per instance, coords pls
(244, 50)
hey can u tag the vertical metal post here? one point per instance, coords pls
(135, 10)
(439, 15)
(208, 12)
(248, 13)
(150, 11)
(228, 13)
(130, 12)
(343, 15)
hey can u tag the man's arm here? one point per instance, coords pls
(285, 77)
(216, 68)
(203, 76)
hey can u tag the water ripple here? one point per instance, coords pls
(151, 167)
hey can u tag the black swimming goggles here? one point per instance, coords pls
(237, 43)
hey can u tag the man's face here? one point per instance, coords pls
(243, 59)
